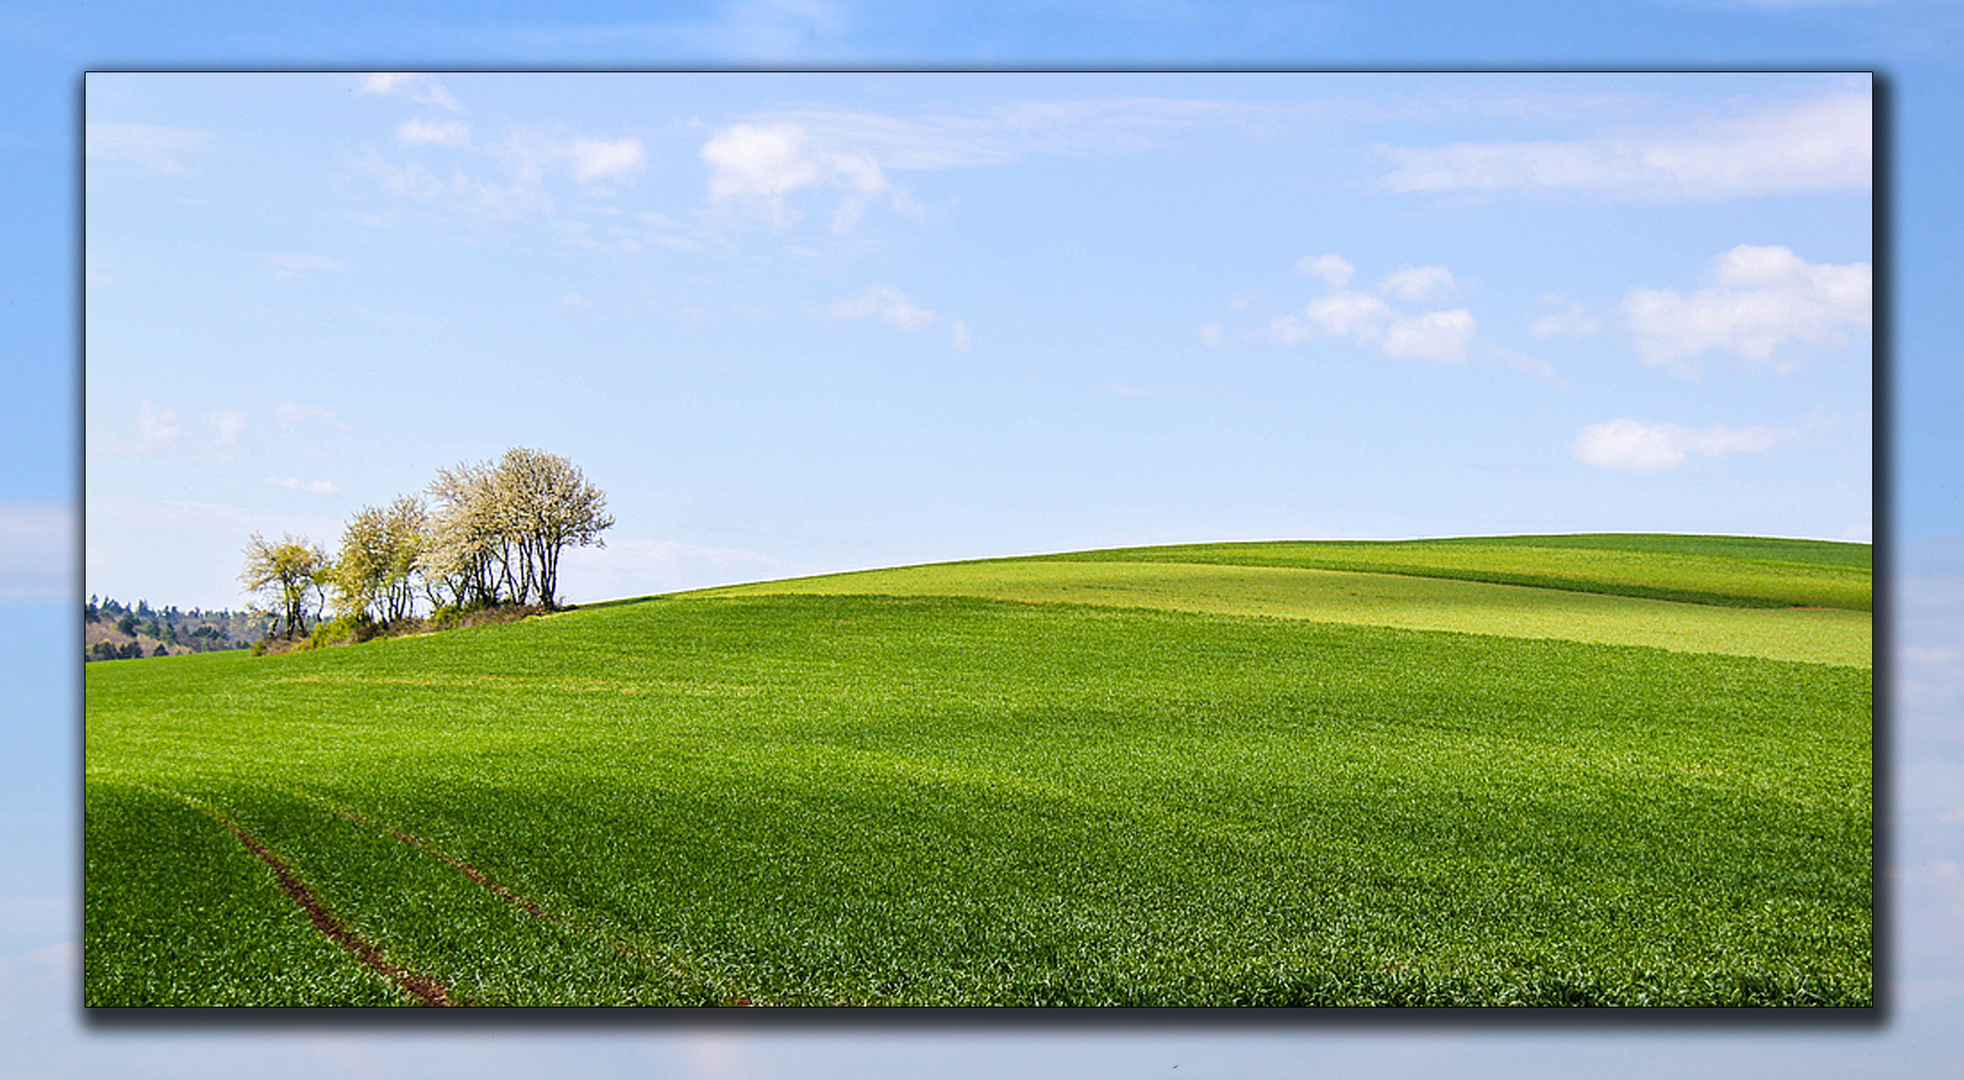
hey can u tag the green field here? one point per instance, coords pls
(1561, 770)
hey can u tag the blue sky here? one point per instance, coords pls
(814, 322)
(1068, 393)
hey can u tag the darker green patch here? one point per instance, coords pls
(178, 912)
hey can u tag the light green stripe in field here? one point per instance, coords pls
(1838, 637)
(1733, 571)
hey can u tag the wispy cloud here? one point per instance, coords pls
(312, 487)
(154, 147)
(885, 303)
(1533, 365)
(767, 162)
(506, 178)
(1762, 299)
(769, 156)
(1573, 320)
(156, 427)
(598, 159)
(1333, 269)
(1419, 284)
(228, 426)
(1350, 314)
(434, 133)
(417, 86)
(1438, 336)
(1634, 446)
(1014, 131)
(1821, 145)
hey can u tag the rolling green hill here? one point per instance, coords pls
(1208, 775)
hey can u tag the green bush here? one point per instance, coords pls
(345, 630)
(451, 617)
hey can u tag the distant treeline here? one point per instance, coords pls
(112, 630)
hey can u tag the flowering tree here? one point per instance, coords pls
(374, 577)
(291, 573)
(498, 530)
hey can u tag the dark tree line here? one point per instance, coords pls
(160, 631)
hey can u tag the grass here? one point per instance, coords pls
(1735, 571)
(1815, 635)
(948, 799)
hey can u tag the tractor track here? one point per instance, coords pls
(426, 990)
(513, 897)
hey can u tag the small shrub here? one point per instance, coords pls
(346, 630)
(450, 617)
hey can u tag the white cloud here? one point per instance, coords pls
(958, 337)
(1213, 333)
(1634, 446)
(766, 160)
(573, 299)
(230, 426)
(156, 427)
(886, 303)
(414, 179)
(152, 146)
(294, 483)
(437, 133)
(1573, 320)
(1521, 361)
(1439, 336)
(770, 161)
(597, 159)
(1349, 314)
(1333, 269)
(1821, 145)
(1419, 284)
(1763, 298)
(417, 86)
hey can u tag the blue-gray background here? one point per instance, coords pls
(1920, 255)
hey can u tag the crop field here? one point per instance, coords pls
(1608, 770)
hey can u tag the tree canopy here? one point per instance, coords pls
(487, 534)
(289, 573)
(498, 529)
